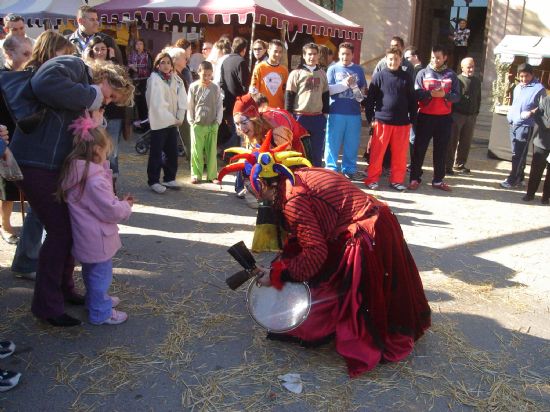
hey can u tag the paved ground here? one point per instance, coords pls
(189, 344)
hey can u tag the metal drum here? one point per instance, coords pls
(278, 310)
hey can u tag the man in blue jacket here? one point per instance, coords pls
(346, 83)
(527, 95)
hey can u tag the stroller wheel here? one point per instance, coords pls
(181, 151)
(142, 147)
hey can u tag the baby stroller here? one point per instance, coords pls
(142, 132)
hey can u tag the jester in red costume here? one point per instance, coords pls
(348, 246)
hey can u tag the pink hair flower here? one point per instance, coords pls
(81, 127)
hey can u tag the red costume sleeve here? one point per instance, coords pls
(312, 246)
(276, 274)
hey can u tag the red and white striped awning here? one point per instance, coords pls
(40, 9)
(302, 15)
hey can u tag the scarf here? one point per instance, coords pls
(443, 67)
(165, 76)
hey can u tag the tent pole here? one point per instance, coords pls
(252, 35)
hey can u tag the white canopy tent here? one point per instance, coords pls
(40, 10)
(535, 50)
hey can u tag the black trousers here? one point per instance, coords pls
(428, 127)
(163, 154)
(141, 103)
(538, 164)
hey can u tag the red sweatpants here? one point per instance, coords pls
(397, 137)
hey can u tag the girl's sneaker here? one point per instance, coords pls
(158, 188)
(8, 380)
(114, 301)
(117, 317)
(7, 347)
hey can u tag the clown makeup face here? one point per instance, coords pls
(243, 125)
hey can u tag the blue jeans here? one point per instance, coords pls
(520, 137)
(97, 279)
(239, 182)
(114, 128)
(25, 259)
(316, 126)
(342, 130)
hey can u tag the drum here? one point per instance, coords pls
(278, 310)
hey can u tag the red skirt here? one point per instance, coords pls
(372, 299)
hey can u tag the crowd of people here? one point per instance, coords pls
(82, 85)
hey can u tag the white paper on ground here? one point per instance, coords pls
(292, 382)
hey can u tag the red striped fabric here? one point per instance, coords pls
(321, 206)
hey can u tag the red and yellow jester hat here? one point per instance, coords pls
(263, 162)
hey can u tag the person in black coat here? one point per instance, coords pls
(541, 153)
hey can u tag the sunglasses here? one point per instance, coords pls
(13, 17)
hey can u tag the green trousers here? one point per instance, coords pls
(203, 147)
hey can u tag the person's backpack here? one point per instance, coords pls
(25, 109)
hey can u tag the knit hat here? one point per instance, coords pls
(246, 106)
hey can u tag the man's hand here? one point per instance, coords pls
(351, 82)
(262, 276)
(438, 93)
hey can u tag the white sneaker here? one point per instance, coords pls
(356, 176)
(158, 188)
(117, 317)
(171, 184)
(241, 193)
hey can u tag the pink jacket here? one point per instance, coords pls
(94, 213)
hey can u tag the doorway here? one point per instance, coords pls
(435, 22)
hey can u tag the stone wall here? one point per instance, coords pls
(381, 19)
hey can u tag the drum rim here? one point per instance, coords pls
(301, 320)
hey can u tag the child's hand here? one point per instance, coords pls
(4, 133)
(129, 198)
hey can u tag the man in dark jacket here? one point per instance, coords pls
(436, 89)
(465, 113)
(541, 153)
(392, 106)
(88, 28)
(234, 81)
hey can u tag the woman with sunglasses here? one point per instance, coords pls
(99, 50)
(259, 49)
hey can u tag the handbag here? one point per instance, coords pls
(24, 107)
(9, 169)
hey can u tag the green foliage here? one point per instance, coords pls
(501, 86)
(332, 5)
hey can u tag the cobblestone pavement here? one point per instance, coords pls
(190, 345)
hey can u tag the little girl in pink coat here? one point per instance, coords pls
(87, 187)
